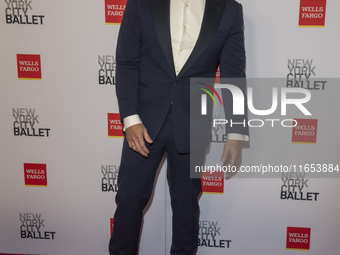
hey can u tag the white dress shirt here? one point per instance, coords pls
(185, 24)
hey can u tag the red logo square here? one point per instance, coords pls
(114, 10)
(298, 238)
(217, 74)
(111, 225)
(305, 131)
(35, 174)
(29, 67)
(312, 13)
(115, 127)
(212, 182)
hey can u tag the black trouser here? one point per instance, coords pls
(135, 184)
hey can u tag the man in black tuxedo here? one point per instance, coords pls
(161, 45)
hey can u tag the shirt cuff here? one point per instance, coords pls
(234, 136)
(131, 120)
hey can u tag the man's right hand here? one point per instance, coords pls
(135, 136)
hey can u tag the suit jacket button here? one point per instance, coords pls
(176, 82)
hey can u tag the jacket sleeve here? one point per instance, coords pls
(232, 64)
(127, 60)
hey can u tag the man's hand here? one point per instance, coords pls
(231, 147)
(135, 136)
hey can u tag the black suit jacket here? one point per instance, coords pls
(146, 82)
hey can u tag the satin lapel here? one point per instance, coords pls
(212, 16)
(160, 11)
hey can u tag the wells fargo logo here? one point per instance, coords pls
(35, 175)
(115, 127)
(114, 10)
(305, 131)
(312, 13)
(212, 182)
(111, 225)
(298, 238)
(29, 67)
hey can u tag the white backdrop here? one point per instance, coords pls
(72, 212)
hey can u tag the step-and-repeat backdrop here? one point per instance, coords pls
(61, 136)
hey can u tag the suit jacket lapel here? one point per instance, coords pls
(212, 16)
(160, 11)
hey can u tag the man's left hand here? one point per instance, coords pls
(231, 147)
